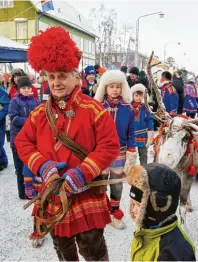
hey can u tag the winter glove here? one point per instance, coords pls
(131, 159)
(150, 138)
(75, 180)
(50, 168)
(30, 191)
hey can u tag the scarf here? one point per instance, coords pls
(113, 106)
(137, 107)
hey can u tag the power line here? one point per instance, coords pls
(19, 14)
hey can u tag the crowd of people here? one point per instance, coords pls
(104, 114)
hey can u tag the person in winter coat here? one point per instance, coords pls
(143, 122)
(90, 83)
(5, 80)
(155, 191)
(89, 125)
(114, 93)
(190, 103)
(97, 68)
(19, 109)
(4, 104)
(143, 79)
(44, 89)
(124, 69)
(179, 86)
(16, 74)
(169, 94)
(133, 77)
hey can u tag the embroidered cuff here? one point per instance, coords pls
(90, 169)
(35, 161)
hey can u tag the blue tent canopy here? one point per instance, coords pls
(11, 51)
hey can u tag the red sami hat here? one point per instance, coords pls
(53, 50)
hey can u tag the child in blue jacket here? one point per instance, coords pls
(143, 122)
(4, 104)
(114, 93)
(19, 109)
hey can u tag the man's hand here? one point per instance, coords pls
(50, 168)
(150, 138)
(75, 180)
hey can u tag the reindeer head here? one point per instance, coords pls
(176, 141)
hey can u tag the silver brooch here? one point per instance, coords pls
(61, 104)
(70, 113)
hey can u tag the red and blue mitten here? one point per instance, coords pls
(49, 169)
(75, 180)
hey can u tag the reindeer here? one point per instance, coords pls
(175, 146)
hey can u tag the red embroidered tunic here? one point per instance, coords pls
(92, 128)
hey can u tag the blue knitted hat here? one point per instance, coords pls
(89, 70)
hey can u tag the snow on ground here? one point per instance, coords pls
(15, 225)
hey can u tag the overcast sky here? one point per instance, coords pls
(180, 24)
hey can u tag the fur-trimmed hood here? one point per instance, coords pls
(109, 77)
(157, 188)
(135, 88)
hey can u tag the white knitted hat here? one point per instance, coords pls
(135, 88)
(109, 77)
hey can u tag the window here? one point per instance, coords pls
(90, 47)
(43, 26)
(113, 59)
(93, 48)
(6, 3)
(86, 46)
(118, 59)
(77, 39)
(21, 30)
(82, 44)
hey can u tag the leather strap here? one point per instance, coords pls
(49, 221)
(75, 148)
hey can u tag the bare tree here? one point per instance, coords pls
(170, 61)
(104, 20)
(125, 37)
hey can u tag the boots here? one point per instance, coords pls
(117, 219)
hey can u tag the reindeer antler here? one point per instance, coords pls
(160, 115)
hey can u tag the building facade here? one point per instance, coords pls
(20, 20)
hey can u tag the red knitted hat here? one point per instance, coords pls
(53, 50)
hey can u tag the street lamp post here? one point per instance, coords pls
(165, 46)
(161, 15)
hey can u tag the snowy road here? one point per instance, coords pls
(15, 225)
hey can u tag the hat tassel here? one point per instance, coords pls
(192, 170)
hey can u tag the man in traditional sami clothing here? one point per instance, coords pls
(87, 123)
(169, 94)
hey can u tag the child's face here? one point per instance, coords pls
(114, 90)
(91, 78)
(162, 79)
(135, 210)
(138, 98)
(16, 79)
(25, 90)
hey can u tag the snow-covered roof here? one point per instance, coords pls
(67, 14)
(8, 43)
